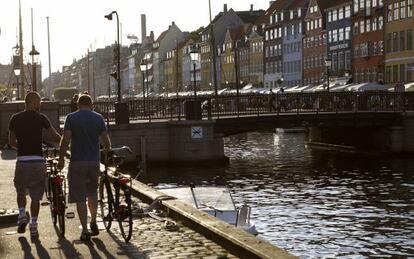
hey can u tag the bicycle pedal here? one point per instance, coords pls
(70, 215)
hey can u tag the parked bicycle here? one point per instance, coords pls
(55, 189)
(115, 193)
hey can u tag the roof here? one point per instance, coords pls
(162, 35)
(324, 4)
(237, 33)
(250, 16)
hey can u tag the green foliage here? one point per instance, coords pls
(64, 93)
(3, 88)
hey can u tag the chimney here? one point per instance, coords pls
(173, 23)
(143, 27)
(251, 8)
(225, 8)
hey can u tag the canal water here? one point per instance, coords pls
(314, 203)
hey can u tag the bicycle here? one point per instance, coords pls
(55, 190)
(116, 207)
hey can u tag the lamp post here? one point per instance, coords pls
(118, 54)
(328, 64)
(16, 68)
(195, 56)
(143, 67)
(35, 55)
(121, 109)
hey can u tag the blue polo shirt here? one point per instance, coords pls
(86, 127)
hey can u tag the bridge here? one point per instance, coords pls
(163, 125)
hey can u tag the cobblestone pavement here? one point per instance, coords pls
(150, 237)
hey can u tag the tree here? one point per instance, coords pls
(64, 93)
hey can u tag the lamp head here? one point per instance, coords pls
(109, 16)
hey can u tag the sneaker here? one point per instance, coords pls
(85, 237)
(33, 231)
(22, 223)
(94, 229)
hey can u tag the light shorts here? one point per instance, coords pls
(29, 178)
(83, 178)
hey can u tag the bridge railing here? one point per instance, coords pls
(258, 104)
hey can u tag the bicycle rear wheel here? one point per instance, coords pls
(124, 213)
(106, 202)
(61, 207)
(53, 198)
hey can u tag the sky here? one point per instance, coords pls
(76, 25)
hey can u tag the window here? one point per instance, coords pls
(389, 9)
(356, 2)
(380, 23)
(395, 73)
(395, 41)
(329, 16)
(362, 26)
(368, 25)
(410, 72)
(341, 34)
(402, 73)
(334, 15)
(341, 60)
(374, 24)
(395, 11)
(364, 49)
(329, 36)
(374, 3)
(341, 13)
(347, 33)
(388, 74)
(348, 60)
(402, 40)
(334, 35)
(410, 39)
(356, 28)
(388, 43)
(409, 8)
(348, 11)
(361, 4)
(334, 61)
(402, 9)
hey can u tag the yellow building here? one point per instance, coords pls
(173, 71)
(399, 51)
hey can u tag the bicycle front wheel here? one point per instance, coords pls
(53, 198)
(61, 207)
(125, 212)
(106, 202)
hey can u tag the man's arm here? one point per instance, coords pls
(105, 141)
(64, 145)
(54, 135)
(12, 139)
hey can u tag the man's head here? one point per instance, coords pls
(32, 101)
(85, 102)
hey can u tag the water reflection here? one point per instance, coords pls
(315, 203)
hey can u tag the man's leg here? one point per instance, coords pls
(93, 207)
(21, 200)
(83, 215)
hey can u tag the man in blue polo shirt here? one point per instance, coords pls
(85, 130)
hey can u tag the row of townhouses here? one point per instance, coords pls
(286, 45)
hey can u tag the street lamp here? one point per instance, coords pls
(328, 64)
(121, 109)
(144, 67)
(35, 56)
(195, 56)
(16, 68)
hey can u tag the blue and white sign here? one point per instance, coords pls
(197, 132)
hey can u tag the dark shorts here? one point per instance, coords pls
(29, 178)
(83, 180)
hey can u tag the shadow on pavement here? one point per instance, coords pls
(41, 250)
(8, 154)
(68, 249)
(27, 249)
(101, 246)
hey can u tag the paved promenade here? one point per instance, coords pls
(150, 238)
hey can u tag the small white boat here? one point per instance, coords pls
(216, 201)
(291, 130)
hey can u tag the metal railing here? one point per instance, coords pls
(173, 108)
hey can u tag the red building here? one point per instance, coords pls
(314, 42)
(368, 41)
